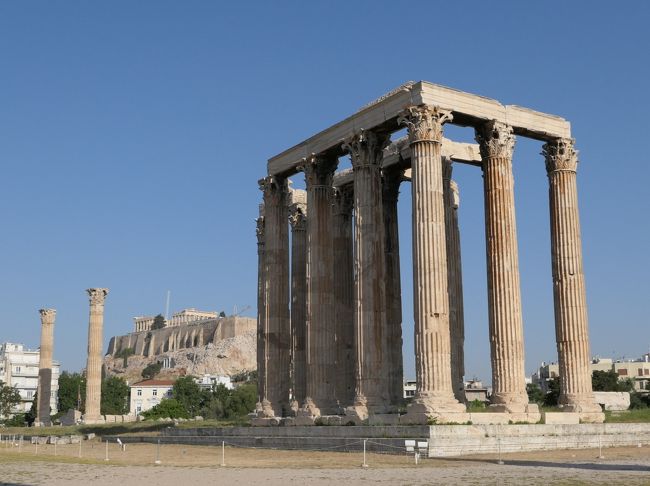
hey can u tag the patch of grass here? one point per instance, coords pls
(628, 416)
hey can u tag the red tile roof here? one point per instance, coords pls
(154, 383)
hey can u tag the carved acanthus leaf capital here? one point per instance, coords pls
(560, 155)
(455, 194)
(47, 315)
(366, 148)
(495, 139)
(424, 122)
(97, 295)
(343, 199)
(275, 190)
(298, 216)
(319, 170)
(259, 229)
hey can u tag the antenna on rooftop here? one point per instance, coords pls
(169, 293)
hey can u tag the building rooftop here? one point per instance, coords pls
(145, 383)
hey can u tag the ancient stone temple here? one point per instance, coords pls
(330, 329)
(97, 297)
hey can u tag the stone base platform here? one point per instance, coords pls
(444, 440)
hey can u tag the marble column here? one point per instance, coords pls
(261, 311)
(298, 221)
(434, 397)
(94, 366)
(277, 320)
(392, 178)
(344, 293)
(371, 369)
(454, 281)
(569, 295)
(321, 342)
(496, 143)
(45, 367)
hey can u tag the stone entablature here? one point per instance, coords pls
(425, 159)
(186, 316)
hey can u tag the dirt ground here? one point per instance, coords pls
(193, 464)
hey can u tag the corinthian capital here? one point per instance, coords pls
(47, 315)
(97, 296)
(424, 122)
(495, 139)
(560, 155)
(274, 189)
(366, 148)
(319, 170)
(297, 217)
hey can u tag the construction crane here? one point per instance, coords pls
(241, 311)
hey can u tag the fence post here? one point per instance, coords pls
(36, 444)
(365, 464)
(600, 447)
(55, 442)
(223, 453)
(106, 457)
(157, 461)
(80, 441)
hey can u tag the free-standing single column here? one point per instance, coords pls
(344, 293)
(569, 295)
(277, 321)
(371, 370)
(321, 342)
(392, 178)
(298, 221)
(434, 396)
(496, 143)
(454, 281)
(45, 367)
(261, 312)
(94, 366)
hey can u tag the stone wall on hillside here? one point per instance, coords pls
(156, 342)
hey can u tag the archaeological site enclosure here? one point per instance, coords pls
(329, 299)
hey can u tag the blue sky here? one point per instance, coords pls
(132, 135)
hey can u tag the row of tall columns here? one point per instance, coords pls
(44, 389)
(354, 278)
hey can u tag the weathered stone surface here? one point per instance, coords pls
(298, 221)
(612, 400)
(45, 367)
(95, 345)
(561, 418)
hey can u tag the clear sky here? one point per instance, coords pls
(132, 135)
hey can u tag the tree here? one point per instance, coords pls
(9, 399)
(151, 370)
(72, 392)
(115, 396)
(32, 415)
(189, 395)
(535, 393)
(604, 380)
(124, 354)
(242, 401)
(552, 396)
(167, 408)
(158, 322)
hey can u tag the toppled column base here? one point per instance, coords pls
(93, 420)
(586, 407)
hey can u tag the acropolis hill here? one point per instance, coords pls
(204, 344)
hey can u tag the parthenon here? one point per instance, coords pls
(330, 304)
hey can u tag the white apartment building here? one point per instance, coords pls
(19, 368)
(148, 393)
(207, 381)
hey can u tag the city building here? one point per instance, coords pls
(19, 368)
(207, 381)
(637, 370)
(474, 390)
(186, 316)
(148, 393)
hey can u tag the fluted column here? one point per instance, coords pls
(344, 293)
(569, 295)
(298, 221)
(95, 342)
(434, 396)
(45, 367)
(392, 178)
(321, 344)
(371, 370)
(277, 320)
(261, 311)
(454, 282)
(496, 143)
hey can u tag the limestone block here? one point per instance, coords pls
(72, 417)
(75, 439)
(383, 419)
(484, 418)
(39, 440)
(561, 418)
(90, 436)
(613, 400)
(63, 440)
